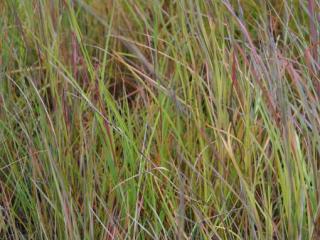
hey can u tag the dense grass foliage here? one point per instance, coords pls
(159, 119)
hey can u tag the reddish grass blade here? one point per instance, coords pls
(257, 62)
(313, 30)
(313, 54)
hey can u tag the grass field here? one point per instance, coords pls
(159, 119)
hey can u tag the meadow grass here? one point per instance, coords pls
(159, 119)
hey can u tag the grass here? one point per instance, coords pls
(159, 119)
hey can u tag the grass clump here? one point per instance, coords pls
(159, 119)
